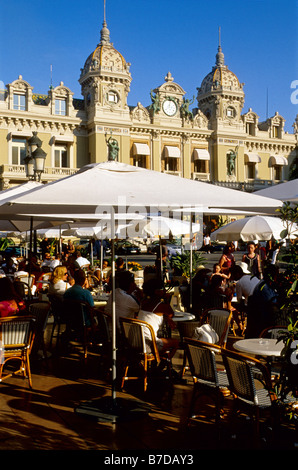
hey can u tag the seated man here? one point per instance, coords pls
(79, 292)
(127, 296)
(80, 260)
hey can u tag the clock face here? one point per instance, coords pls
(169, 107)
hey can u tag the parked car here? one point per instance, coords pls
(173, 248)
(126, 248)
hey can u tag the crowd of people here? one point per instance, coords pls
(249, 288)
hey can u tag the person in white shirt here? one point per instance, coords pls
(127, 296)
(246, 282)
(81, 261)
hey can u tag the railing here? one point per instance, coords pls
(200, 176)
(7, 171)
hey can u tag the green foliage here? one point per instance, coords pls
(5, 243)
(288, 381)
(181, 263)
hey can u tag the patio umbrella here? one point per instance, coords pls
(112, 186)
(283, 191)
(253, 228)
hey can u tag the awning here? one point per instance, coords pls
(140, 149)
(171, 151)
(201, 154)
(277, 160)
(250, 157)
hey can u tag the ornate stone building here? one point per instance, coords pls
(213, 142)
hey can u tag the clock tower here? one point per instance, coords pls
(167, 101)
(105, 81)
(221, 96)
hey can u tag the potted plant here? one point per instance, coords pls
(287, 384)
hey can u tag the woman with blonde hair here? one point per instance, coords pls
(60, 281)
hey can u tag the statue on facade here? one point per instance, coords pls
(185, 112)
(231, 159)
(113, 148)
(295, 125)
(155, 105)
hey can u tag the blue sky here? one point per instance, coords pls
(259, 39)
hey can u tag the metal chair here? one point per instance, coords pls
(138, 351)
(79, 322)
(250, 393)
(40, 311)
(57, 312)
(220, 320)
(186, 330)
(17, 336)
(208, 380)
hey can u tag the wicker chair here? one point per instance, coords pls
(40, 311)
(220, 320)
(17, 336)
(208, 380)
(137, 350)
(186, 330)
(241, 372)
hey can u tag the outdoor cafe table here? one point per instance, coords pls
(266, 347)
(183, 316)
(260, 346)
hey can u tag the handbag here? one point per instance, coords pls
(206, 334)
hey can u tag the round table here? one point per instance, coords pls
(183, 316)
(260, 346)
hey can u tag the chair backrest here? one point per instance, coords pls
(186, 328)
(27, 278)
(75, 313)
(219, 319)
(40, 311)
(103, 327)
(202, 361)
(17, 331)
(133, 331)
(240, 370)
(273, 332)
(22, 289)
(56, 302)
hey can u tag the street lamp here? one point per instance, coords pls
(35, 160)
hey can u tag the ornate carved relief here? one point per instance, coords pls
(139, 113)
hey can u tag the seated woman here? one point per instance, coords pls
(153, 311)
(10, 303)
(59, 282)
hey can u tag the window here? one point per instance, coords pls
(231, 112)
(112, 97)
(171, 164)
(201, 166)
(140, 160)
(276, 132)
(250, 128)
(250, 169)
(19, 102)
(277, 172)
(60, 107)
(61, 156)
(18, 151)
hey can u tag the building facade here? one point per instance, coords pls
(213, 142)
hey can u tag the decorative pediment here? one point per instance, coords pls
(62, 91)
(250, 116)
(200, 120)
(139, 113)
(20, 85)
